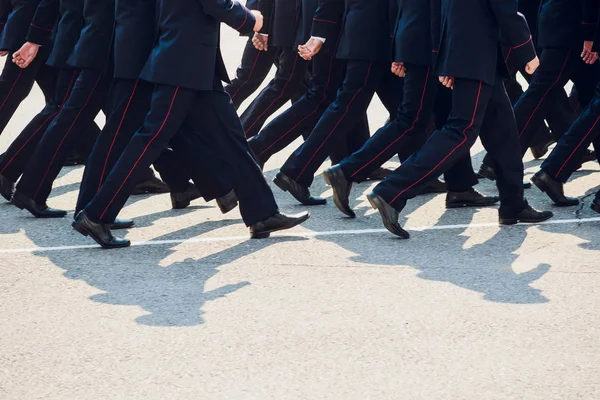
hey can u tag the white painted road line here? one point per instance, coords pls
(292, 234)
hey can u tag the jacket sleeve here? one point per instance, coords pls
(589, 22)
(266, 8)
(43, 23)
(327, 19)
(515, 31)
(231, 13)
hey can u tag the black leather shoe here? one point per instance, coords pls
(596, 205)
(470, 198)
(180, 200)
(277, 222)
(300, 193)
(539, 151)
(98, 231)
(37, 210)
(379, 174)
(227, 202)
(121, 224)
(527, 215)
(554, 189)
(589, 155)
(435, 186)
(488, 172)
(389, 215)
(341, 186)
(7, 188)
(152, 185)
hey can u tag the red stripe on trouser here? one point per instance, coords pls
(11, 89)
(143, 152)
(311, 113)
(249, 75)
(464, 132)
(578, 146)
(545, 94)
(67, 134)
(406, 131)
(116, 134)
(278, 97)
(339, 122)
(43, 124)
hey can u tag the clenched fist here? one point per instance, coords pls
(532, 65)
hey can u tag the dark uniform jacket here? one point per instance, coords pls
(68, 30)
(95, 42)
(20, 26)
(559, 23)
(471, 33)
(417, 24)
(187, 53)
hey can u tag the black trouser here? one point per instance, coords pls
(130, 102)
(566, 156)
(288, 79)
(185, 118)
(406, 133)
(16, 157)
(251, 73)
(300, 119)
(87, 98)
(362, 79)
(476, 107)
(16, 83)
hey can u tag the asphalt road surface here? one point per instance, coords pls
(335, 309)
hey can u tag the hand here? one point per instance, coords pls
(532, 65)
(588, 56)
(259, 20)
(260, 41)
(26, 54)
(399, 69)
(447, 81)
(3, 53)
(310, 49)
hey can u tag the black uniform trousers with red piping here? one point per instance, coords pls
(476, 108)
(300, 119)
(566, 156)
(16, 84)
(406, 133)
(197, 117)
(88, 96)
(130, 102)
(291, 71)
(18, 154)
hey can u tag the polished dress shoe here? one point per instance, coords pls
(152, 185)
(98, 231)
(37, 210)
(121, 224)
(7, 188)
(379, 174)
(470, 198)
(300, 193)
(341, 186)
(180, 200)
(434, 187)
(596, 205)
(554, 189)
(589, 155)
(487, 172)
(228, 202)
(389, 215)
(277, 222)
(527, 215)
(539, 151)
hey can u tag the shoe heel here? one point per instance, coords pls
(327, 180)
(372, 203)
(79, 229)
(509, 221)
(280, 184)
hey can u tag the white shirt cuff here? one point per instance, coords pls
(320, 39)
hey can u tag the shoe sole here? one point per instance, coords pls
(264, 235)
(281, 184)
(515, 221)
(402, 234)
(86, 233)
(469, 205)
(336, 199)
(595, 208)
(542, 186)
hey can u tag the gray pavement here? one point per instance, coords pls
(335, 309)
